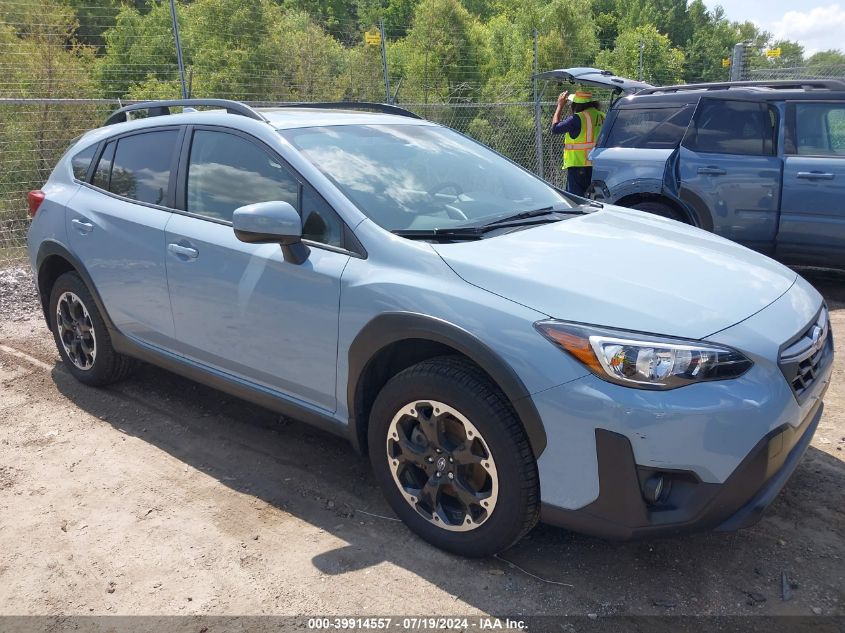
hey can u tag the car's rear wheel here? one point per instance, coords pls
(81, 335)
(453, 459)
(662, 209)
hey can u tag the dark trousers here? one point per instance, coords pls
(578, 180)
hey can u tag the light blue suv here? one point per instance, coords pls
(504, 353)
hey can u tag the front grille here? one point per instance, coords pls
(804, 358)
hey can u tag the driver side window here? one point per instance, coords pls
(226, 171)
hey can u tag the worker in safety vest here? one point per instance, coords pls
(580, 131)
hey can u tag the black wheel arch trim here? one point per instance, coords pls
(394, 327)
(52, 248)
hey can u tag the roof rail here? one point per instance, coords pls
(779, 84)
(386, 108)
(161, 108)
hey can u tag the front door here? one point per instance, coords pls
(728, 167)
(240, 308)
(812, 224)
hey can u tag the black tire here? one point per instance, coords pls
(662, 209)
(106, 365)
(459, 384)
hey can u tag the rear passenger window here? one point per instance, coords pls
(103, 171)
(654, 128)
(732, 127)
(141, 166)
(82, 161)
(226, 171)
(820, 129)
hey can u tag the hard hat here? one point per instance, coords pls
(581, 96)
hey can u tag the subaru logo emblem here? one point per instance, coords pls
(817, 337)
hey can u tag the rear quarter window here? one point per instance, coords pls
(649, 128)
(81, 161)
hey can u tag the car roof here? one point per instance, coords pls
(287, 118)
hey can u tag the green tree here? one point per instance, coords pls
(41, 58)
(443, 56)
(662, 64)
(830, 63)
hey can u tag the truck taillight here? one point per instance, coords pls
(34, 198)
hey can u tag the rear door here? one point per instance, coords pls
(115, 225)
(812, 224)
(241, 308)
(728, 168)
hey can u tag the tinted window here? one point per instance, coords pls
(319, 221)
(141, 166)
(820, 128)
(227, 171)
(656, 128)
(82, 161)
(420, 176)
(101, 174)
(732, 127)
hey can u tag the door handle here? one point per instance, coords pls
(711, 171)
(83, 226)
(184, 251)
(815, 175)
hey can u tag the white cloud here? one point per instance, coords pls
(818, 29)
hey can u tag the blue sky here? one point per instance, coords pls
(814, 24)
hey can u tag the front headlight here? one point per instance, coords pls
(642, 360)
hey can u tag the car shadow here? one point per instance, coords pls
(318, 478)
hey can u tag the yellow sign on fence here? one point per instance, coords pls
(726, 62)
(773, 52)
(372, 37)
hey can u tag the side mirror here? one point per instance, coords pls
(273, 222)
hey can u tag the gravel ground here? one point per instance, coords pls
(159, 496)
(18, 295)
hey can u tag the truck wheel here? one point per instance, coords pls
(81, 335)
(662, 209)
(453, 459)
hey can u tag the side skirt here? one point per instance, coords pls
(227, 383)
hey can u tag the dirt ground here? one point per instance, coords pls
(159, 496)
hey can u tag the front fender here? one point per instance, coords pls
(389, 328)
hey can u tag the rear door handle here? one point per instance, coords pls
(711, 171)
(184, 251)
(83, 226)
(815, 175)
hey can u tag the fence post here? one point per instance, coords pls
(178, 50)
(538, 123)
(738, 62)
(384, 61)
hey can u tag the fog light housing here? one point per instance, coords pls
(654, 489)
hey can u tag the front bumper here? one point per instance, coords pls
(620, 511)
(724, 448)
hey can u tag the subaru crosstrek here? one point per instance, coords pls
(503, 352)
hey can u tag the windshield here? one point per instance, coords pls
(420, 177)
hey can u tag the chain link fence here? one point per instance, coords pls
(798, 72)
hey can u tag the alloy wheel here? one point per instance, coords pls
(442, 465)
(76, 331)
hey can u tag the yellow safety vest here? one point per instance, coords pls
(575, 150)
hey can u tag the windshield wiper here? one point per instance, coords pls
(477, 231)
(516, 218)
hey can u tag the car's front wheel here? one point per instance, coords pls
(81, 335)
(453, 459)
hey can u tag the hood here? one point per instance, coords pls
(624, 269)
